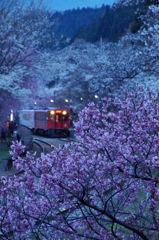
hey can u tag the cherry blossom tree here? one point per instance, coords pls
(24, 30)
(136, 2)
(102, 186)
(83, 70)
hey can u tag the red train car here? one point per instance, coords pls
(50, 122)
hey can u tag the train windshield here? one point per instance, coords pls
(61, 117)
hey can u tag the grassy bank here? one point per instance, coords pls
(4, 152)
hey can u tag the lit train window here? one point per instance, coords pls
(57, 118)
(60, 117)
(65, 117)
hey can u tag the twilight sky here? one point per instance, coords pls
(62, 5)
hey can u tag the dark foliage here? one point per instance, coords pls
(113, 24)
(66, 24)
(90, 24)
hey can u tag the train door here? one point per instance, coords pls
(62, 119)
(58, 119)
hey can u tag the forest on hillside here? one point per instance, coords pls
(91, 24)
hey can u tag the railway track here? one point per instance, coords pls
(47, 145)
(42, 146)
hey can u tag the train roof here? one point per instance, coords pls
(44, 109)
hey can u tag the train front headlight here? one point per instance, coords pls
(52, 112)
(64, 112)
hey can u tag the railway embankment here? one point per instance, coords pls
(24, 135)
(72, 132)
